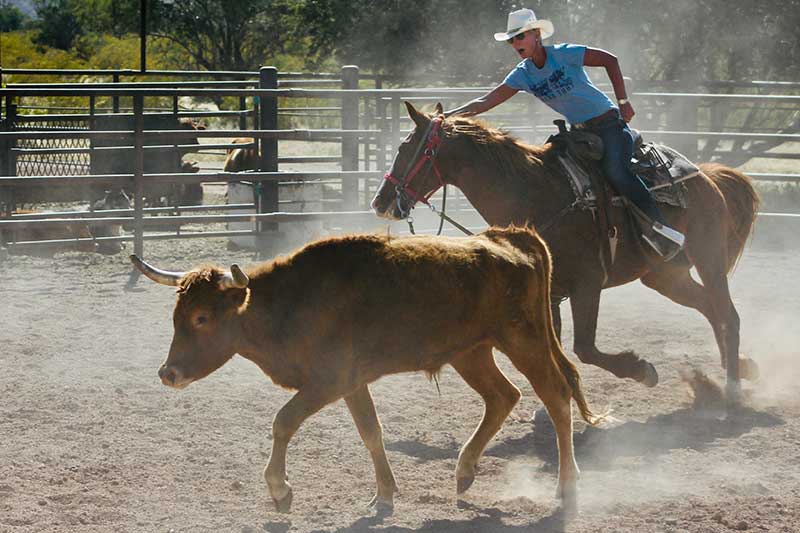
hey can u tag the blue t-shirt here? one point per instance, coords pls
(561, 83)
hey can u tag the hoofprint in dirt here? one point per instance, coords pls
(91, 440)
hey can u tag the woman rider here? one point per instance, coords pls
(555, 74)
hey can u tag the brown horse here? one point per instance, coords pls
(510, 182)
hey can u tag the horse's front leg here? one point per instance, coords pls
(288, 420)
(585, 302)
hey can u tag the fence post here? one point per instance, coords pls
(267, 196)
(349, 143)
(115, 98)
(138, 171)
(381, 122)
(684, 118)
(242, 116)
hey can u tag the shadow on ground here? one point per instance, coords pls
(597, 448)
(490, 520)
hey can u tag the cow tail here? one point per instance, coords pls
(567, 368)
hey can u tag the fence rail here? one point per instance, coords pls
(366, 123)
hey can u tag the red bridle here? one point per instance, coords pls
(420, 165)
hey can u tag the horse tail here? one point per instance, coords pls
(742, 201)
(565, 366)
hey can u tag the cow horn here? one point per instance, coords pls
(163, 277)
(235, 279)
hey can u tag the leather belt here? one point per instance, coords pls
(598, 120)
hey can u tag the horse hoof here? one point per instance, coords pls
(464, 483)
(733, 396)
(748, 369)
(284, 505)
(650, 377)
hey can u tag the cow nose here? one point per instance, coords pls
(167, 375)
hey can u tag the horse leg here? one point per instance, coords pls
(286, 423)
(585, 302)
(529, 351)
(369, 427)
(713, 274)
(676, 283)
(480, 371)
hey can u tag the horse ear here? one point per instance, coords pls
(439, 109)
(419, 119)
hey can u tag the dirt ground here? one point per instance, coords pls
(91, 441)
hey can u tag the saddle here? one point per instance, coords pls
(662, 169)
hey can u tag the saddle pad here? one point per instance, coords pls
(663, 169)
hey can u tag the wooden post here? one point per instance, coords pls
(349, 143)
(267, 196)
(138, 171)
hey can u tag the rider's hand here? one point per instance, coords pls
(627, 112)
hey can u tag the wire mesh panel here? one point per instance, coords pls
(44, 163)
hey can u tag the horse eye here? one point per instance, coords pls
(200, 320)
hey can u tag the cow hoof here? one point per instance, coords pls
(382, 506)
(464, 483)
(569, 500)
(284, 505)
(650, 377)
(748, 369)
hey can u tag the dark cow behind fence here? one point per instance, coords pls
(341, 312)
(77, 236)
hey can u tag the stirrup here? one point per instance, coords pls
(674, 236)
(664, 247)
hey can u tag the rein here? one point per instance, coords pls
(420, 166)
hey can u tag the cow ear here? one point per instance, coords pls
(419, 119)
(439, 109)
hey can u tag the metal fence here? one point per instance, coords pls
(42, 150)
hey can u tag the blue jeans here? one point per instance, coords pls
(618, 149)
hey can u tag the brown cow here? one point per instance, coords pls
(340, 313)
(239, 159)
(73, 231)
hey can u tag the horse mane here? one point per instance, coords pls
(515, 159)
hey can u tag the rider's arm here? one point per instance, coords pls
(594, 57)
(495, 97)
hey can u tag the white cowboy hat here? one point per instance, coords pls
(523, 20)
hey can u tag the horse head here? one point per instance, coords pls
(414, 175)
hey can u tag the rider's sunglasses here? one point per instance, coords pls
(518, 37)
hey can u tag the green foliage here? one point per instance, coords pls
(447, 41)
(57, 24)
(220, 35)
(11, 18)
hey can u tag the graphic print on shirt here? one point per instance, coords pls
(557, 84)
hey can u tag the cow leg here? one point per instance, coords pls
(529, 351)
(369, 427)
(286, 423)
(585, 302)
(480, 371)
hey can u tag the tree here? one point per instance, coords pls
(11, 18)
(222, 35)
(57, 24)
